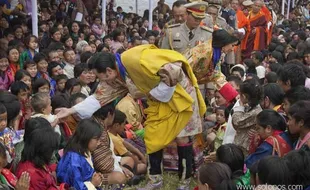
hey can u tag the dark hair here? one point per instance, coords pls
(271, 118)
(271, 77)
(220, 173)
(103, 112)
(39, 57)
(38, 101)
(3, 54)
(274, 92)
(56, 46)
(33, 124)
(67, 50)
(117, 32)
(253, 91)
(300, 111)
(60, 77)
(278, 56)
(298, 164)
(28, 38)
(18, 87)
(51, 66)
(79, 69)
(292, 56)
(292, 73)
(74, 97)
(70, 84)
(272, 170)
(258, 55)
(298, 93)
(19, 75)
(39, 82)
(119, 117)
(28, 63)
(275, 67)
(40, 146)
(178, 3)
(305, 68)
(53, 30)
(2, 109)
(251, 66)
(233, 156)
(85, 56)
(101, 61)
(11, 104)
(86, 130)
(3, 151)
(235, 79)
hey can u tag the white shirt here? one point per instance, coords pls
(230, 132)
(69, 70)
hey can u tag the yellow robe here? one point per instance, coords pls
(164, 120)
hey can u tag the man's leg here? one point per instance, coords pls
(185, 164)
(155, 171)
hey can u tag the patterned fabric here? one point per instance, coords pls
(137, 143)
(219, 136)
(6, 138)
(244, 124)
(103, 155)
(170, 160)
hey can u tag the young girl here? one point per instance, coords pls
(24, 76)
(271, 128)
(31, 67)
(97, 27)
(31, 43)
(243, 117)
(76, 167)
(299, 124)
(41, 85)
(6, 76)
(13, 57)
(220, 173)
(22, 91)
(67, 41)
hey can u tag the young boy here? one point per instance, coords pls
(69, 60)
(22, 91)
(60, 83)
(41, 104)
(123, 148)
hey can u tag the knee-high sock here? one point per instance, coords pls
(185, 163)
(155, 162)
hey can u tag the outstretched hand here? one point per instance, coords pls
(63, 112)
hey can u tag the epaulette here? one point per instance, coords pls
(206, 28)
(173, 25)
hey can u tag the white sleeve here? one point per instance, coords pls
(89, 185)
(241, 30)
(269, 25)
(162, 92)
(86, 108)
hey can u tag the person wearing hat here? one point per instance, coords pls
(182, 37)
(257, 39)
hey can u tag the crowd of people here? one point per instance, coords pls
(218, 91)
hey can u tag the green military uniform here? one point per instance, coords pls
(176, 37)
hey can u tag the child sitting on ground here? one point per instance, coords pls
(123, 148)
(22, 91)
(216, 134)
(41, 104)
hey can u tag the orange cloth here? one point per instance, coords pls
(243, 22)
(268, 16)
(258, 34)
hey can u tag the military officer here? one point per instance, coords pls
(182, 37)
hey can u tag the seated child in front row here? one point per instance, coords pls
(271, 128)
(123, 148)
(41, 104)
(22, 91)
(215, 137)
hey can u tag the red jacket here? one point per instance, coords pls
(39, 178)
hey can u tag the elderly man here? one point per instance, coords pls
(182, 37)
(257, 39)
